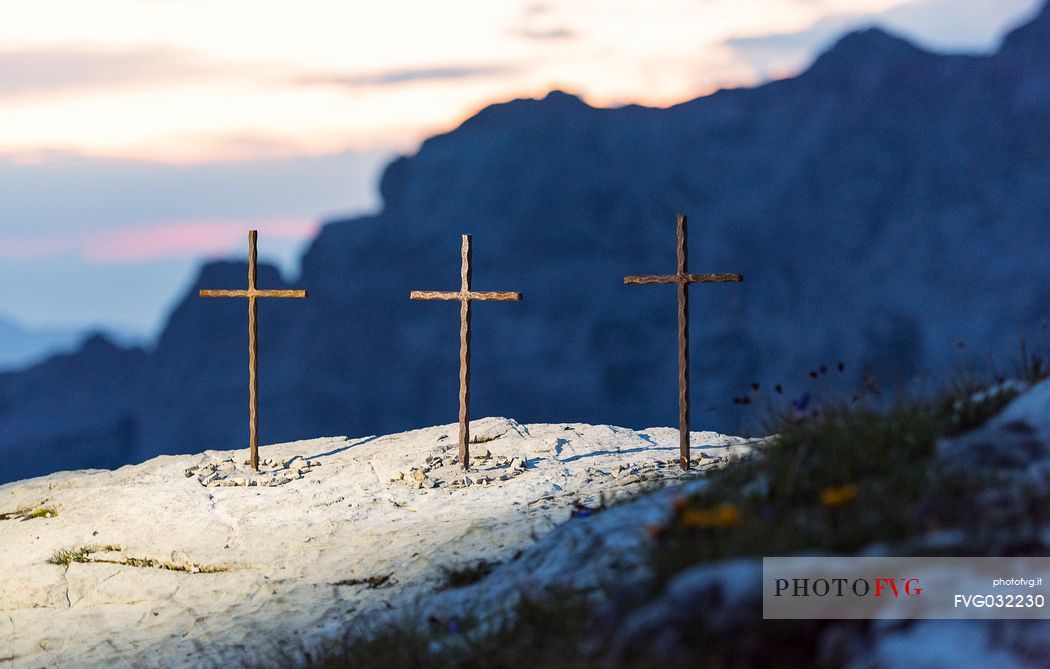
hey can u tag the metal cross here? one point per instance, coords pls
(253, 344)
(464, 296)
(682, 279)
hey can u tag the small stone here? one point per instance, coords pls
(190, 472)
(627, 480)
(517, 463)
(427, 483)
(485, 454)
(417, 474)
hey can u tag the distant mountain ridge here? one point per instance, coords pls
(884, 205)
(22, 346)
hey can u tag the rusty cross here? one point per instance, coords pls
(464, 296)
(253, 340)
(682, 279)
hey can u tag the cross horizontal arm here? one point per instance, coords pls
(460, 295)
(683, 278)
(434, 295)
(714, 278)
(493, 297)
(646, 280)
(253, 293)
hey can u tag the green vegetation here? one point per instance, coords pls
(460, 577)
(29, 513)
(42, 512)
(372, 582)
(67, 556)
(87, 554)
(543, 633)
(841, 478)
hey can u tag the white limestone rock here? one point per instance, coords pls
(200, 571)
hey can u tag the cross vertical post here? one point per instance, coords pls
(253, 354)
(683, 346)
(464, 354)
(682, 278)
(253, 293)
(464, 296)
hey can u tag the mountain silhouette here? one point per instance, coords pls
(884, 205)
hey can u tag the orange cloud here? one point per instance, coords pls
(63, 68)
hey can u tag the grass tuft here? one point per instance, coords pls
(42, 512)
(67, 556)
(460, 577)
(29, 513)
(86, 554)
(373, 582)
(541, 632)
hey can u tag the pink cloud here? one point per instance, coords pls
(205, 237)
(23, 248)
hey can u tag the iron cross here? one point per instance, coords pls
(464, 296)
(682, 279)
(253, 340)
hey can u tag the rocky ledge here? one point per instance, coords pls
(195, 560)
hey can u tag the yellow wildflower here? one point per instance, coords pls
(832, 497)
(724, 515)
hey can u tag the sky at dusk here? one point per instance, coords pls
(139, 136)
